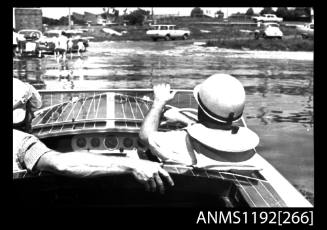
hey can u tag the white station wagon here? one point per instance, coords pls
(167, 32)
(306, 30)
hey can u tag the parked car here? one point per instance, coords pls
(49, 38)
(33, 42)
(167, 32)
(306, 31)
(268, 30)
(267, 18)
(30, 35)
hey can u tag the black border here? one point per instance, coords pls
(150, 217)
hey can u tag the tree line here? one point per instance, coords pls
(287, 13)
(137, 17)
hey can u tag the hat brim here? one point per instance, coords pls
(223, 140)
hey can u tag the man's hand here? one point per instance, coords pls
(150, 174)
(162, 93)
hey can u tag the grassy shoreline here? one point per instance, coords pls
(219, 35)
(224, 38)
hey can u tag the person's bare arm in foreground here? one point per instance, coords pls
(79, 164)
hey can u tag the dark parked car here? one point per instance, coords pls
(32, 42)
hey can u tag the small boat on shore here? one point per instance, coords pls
(107, 122)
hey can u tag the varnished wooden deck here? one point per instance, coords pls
(73, 111)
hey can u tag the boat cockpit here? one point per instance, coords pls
(107, 122)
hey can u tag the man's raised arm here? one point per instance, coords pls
(151, 121)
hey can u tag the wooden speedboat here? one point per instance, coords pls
(107, 122)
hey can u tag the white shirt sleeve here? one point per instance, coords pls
(23, 92)
(35, 98)
(172, 146)
(27, 150)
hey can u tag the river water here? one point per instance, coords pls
(279, 88)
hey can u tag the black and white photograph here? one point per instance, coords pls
(164, 107)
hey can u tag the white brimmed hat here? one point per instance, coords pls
(224, 140)
(222, 98)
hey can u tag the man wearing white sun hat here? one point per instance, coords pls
(215, 137)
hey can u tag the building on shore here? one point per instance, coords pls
(78, 17)
(27, 18)
(91, 18)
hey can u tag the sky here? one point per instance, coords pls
(56, 12)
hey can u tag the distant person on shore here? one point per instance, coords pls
(62, 44)
(80, 47)
(56, 48)
(30, 154)
(214, 137)
(26, 100)
(70, 46)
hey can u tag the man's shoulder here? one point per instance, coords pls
(17, 82)
(19, 87)
(173, 146)
(169, 138)
(170, 134)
